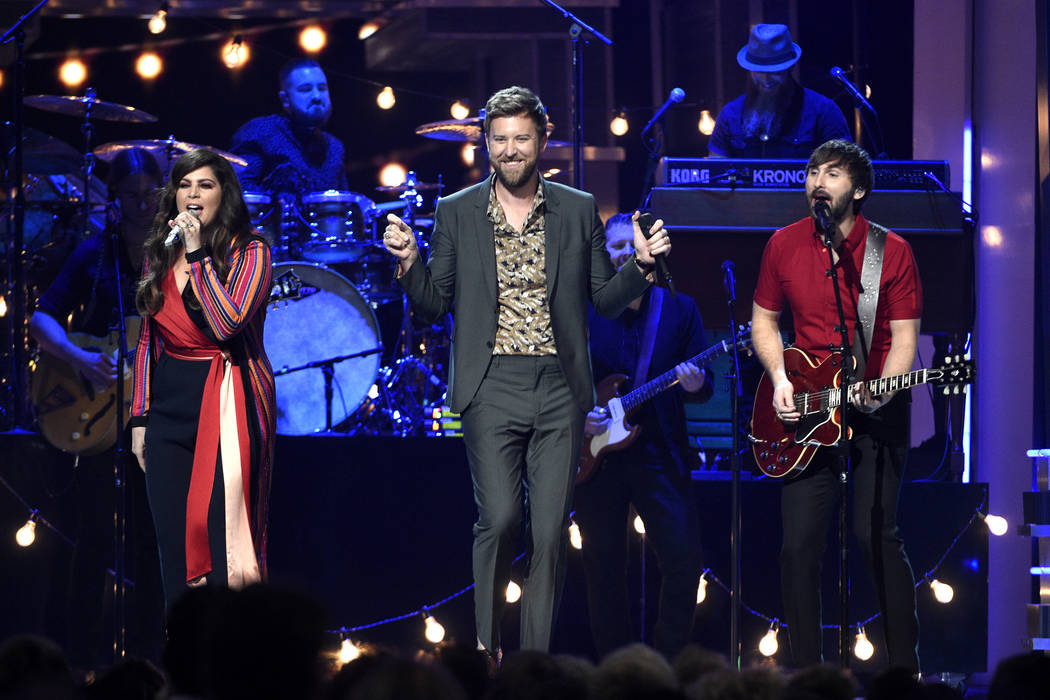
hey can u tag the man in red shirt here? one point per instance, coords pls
(795, 273)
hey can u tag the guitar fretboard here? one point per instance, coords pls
(668, 379)
(830, 397)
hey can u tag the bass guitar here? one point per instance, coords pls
(619, 408)
(74, 415)
(783, 450)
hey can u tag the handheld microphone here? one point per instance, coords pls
(676, 96)
(822, 214)
(840, 75)
(176, 232)
(729, 279)
(645, 222)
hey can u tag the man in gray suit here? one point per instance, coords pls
(520, 257)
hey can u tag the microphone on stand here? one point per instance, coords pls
(840, 75)
(676, 96)
(822, 214)
(645, 222)
(176, 232)
(729, 279)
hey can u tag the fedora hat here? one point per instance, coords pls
(769, 49)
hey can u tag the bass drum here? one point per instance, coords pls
(316, 320)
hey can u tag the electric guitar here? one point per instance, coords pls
(620, 433)
(782, 450)
(74, 415)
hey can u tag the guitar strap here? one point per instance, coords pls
(645, 351)
(868, 300)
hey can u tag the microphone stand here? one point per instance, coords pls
(120, 513)
(16, 227)
(734, 465)
(577, 30)
(846, 374)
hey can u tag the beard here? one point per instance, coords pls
(515, 179)
(314, 116)
(838, 208)
(763, 112)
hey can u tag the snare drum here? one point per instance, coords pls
(317, 319)
(339, 226)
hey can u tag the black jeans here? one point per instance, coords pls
(879, 451)
(663, 497)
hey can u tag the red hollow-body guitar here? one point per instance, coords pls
(782, 450)
(620, 433)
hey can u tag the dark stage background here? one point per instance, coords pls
(380, 527)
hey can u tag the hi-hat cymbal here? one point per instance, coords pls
(468, 129)
(77, 106)
(160, 148)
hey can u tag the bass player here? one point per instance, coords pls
(652, 473)
(794, 272)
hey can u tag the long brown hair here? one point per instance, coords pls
(231, 225)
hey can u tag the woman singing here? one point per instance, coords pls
(203, 404)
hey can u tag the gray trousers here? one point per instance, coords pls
(523, 432)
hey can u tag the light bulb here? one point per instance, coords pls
(942, 591)
(639, 526)
(158, 22)
(149, 65)
(513, 593)
(997, 524)
(701, 590)
(769, 645)
(392, 174)
(385, 99)
(619, 125)
(73, 72)
(312, 39)
(235, 53)
(3, 306)
(459, 110)
(434, 632)
(706, 125)
(367, 29)
(26, 534)
(467, 154)
(348, 651)
(863, 649)
(575, 538)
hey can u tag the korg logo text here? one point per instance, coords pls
(689, 176)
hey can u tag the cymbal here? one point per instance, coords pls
(43, 154)
(468, 129)
(77, 106)
(405, 187)
(160, 148)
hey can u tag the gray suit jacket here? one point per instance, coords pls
(461, 277)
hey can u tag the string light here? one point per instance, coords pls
(348, 651)
(235, 53)
(513, 593)
(706, 125)
(149, 65)
(619, 126)
(368, 29)
(3, 306)
(385, 99)
(312, 38)
(466, 154)
(942, 591)
(768, 645)
(392, 174)
(1, 78)
(433, 630)
(575, 538)
(72, 72)
(997, 524)
(863, 649)
(159, 21)
(639, 526)
(26, 534)
(459, 110)
(701, 589)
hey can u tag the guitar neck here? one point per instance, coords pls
(633, 399)
(884, 385)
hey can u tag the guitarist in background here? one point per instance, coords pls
(86, 288)
(652, 474)
(794, 273)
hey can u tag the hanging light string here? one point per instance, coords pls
(34, 514)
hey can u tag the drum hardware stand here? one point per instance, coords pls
(18, 383)
(577, 30)
(327, 367)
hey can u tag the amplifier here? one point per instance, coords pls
(749, 173)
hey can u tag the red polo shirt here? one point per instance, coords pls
(794, 274)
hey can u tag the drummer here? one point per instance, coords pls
(290, 152)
